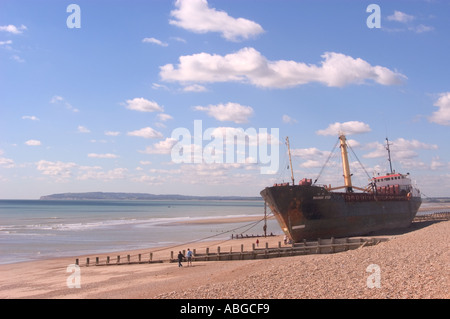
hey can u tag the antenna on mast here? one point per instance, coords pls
(389, 154)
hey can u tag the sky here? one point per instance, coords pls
(140, 96)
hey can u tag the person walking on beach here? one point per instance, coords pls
(189, 257)
(180, 259)
(257, 243)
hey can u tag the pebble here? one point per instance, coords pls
(411, 266)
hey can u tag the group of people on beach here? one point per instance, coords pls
(181, 258)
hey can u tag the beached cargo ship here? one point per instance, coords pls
(309, 211)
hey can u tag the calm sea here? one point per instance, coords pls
(37, 229)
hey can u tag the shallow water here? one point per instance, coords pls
(36, 229)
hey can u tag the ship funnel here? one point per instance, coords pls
(345, 165)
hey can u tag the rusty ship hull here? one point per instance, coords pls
(311, 212)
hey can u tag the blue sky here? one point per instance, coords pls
(99, 107)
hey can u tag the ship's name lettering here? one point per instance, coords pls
(322, 197)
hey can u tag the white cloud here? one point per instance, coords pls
(112, 133)
(64, 171)
(178, 39)
(56, 99)
(13, 29)
(33, 143)
(215, 174)
(151, 180)
(164, 117)
(59, 170)
(146, 132)
(401, 149)
(314, 158)
(414, 164)
(250, 137)
(107, 155)
(6, 162)
(353, 143)
(59, 100)
(421, 28)
(407, 19)
(312, 164)
(401, 17)
(233, 112)
(196, 16)
(442, 115)
(157, 86)
(289, 120)
(93, 173)
(155, 41)
(82, 129)
(209, 175)
(310, 153)
(17, 58)
(436, 164)
(30, 117)
(249, 66)
(98, 141)
(348, 128)
(194, 88)
(163, 147)
(5, 43)
(143, 105)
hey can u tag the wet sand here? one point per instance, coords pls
(222, 220)
(413, 264)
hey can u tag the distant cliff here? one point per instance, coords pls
(137, 196)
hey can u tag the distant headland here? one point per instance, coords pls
(137, 196)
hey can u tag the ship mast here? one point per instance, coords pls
(290, 161)
(345, 165)
(389, 154)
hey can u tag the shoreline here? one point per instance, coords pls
(154, 245)
(220, 220)
(418, 256)
(47, 278)
(199, 221)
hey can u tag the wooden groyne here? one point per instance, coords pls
(320, 246)
(119, 260)
(431, 217)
